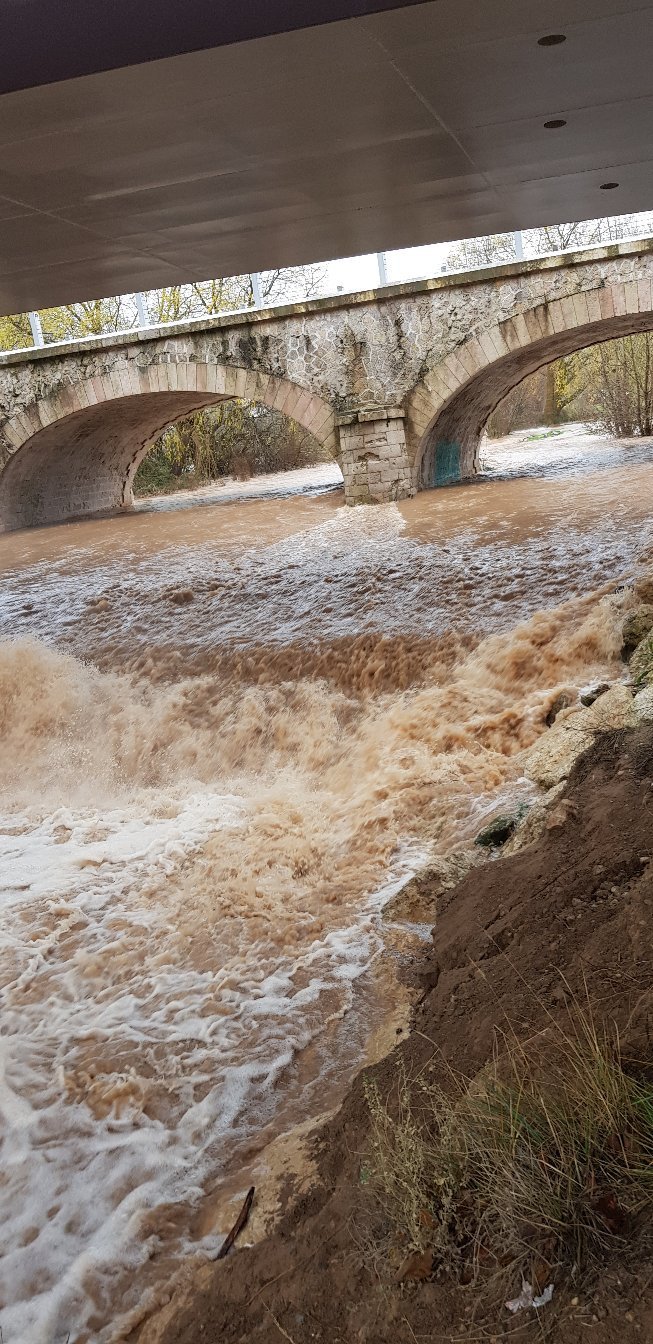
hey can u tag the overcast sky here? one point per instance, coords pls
(411, 263)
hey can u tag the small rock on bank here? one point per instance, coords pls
(637, 625)
(551, 758)
(500, 828)
(416, 902)
(641, 663)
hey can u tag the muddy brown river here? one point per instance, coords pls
(230, 728)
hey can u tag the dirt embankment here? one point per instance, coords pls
(570, 915)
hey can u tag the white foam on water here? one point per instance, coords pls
(130, 1066)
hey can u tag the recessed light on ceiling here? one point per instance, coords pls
(608, 186)
(555, 124)
(551, 40)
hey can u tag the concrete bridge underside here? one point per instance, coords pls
(396, 385)
(163, 143)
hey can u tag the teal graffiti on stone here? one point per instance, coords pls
(447, 463)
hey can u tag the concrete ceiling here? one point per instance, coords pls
(406, 125)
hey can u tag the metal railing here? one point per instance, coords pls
(144, 322)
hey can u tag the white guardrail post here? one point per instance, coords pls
(256, 289)
(141, 311)
(36, 329)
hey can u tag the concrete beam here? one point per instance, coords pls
(43, 42)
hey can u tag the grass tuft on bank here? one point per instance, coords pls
(535, 1170)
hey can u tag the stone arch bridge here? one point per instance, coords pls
(397, 384)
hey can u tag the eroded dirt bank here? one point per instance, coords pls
(567, 917)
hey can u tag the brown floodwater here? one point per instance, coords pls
(230, 728)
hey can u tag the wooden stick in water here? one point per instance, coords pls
(238, 1225)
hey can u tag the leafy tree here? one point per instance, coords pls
(234, 438)
(549, 396)
(15, 332)
(471, 253)
(619, 385)
(206, 297)
(610, 385)
(93, 318)
(564, 385)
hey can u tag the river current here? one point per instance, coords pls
(229, 729)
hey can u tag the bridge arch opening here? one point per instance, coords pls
(448, 452)
(75, 453)
(233, 440)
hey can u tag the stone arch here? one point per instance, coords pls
(75, 451)
(447, 412)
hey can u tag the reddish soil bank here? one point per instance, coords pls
(571, 913)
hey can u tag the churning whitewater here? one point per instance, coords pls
(228, 734)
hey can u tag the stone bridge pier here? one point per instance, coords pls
(373, 455)
(396, 385)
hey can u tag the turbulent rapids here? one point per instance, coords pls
(228, 733)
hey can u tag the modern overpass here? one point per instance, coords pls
(397, 384)
(150, 143)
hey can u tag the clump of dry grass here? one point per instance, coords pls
(543, 1162)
